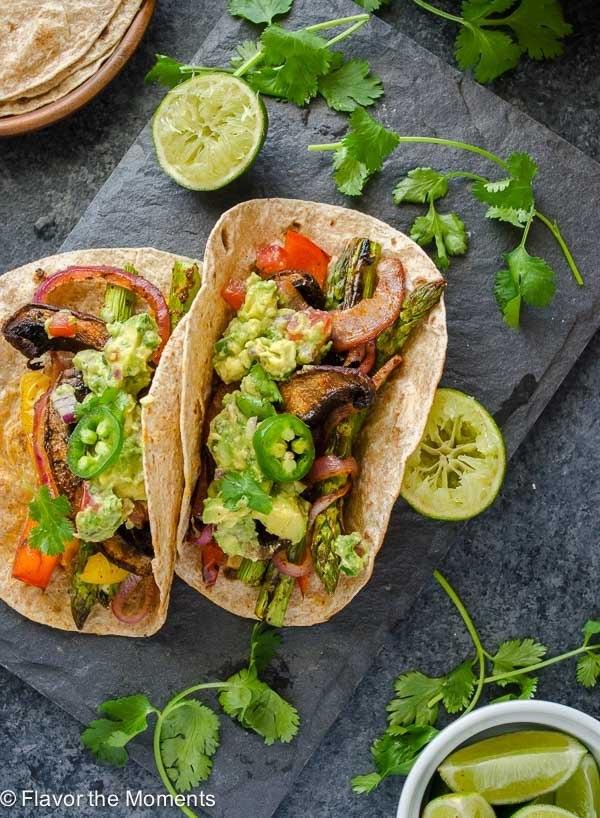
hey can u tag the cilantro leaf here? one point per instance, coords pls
(394, 753)
(127, 718)
(264, 644)
(259, 11)
(457, 688)
(447, 230)
(588, 669)
(529, 279)
(349, 84)
(526, 688)
(169, 72)
(590, 629)
(414, 691)
(54, 529)
(236, 486)
(362, 152)
(189, 739)
(488, 53)
(516, 653)
(293, 62)
(512, 198)
(372, 5)
(244, 51)
(258, 708)
(421, 185)
(540, 26)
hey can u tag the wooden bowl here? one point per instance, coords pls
(80, 96)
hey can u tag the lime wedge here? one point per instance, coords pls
(581, 793)
(513, 767)
(542, 811)
(209, 130)
(457, 469)
(468, 805)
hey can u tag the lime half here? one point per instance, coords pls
(514, 767)
(468, 805)
(209, 130)
(542, 811)
(458, 467)
(581, 793)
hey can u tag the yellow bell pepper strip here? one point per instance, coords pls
(100, 571)
(31, 388)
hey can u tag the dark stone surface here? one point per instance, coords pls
(534, 571)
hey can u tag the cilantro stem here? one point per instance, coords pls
(160, 766)
(459, 605)
(555, 230)
(499, 677)
(358, 20)
(439, 12)
(527, 228)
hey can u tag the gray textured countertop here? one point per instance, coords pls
(527, 567)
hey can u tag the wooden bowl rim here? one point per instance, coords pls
(84, 93)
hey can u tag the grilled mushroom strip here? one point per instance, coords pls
(56, 439)
(315, 391)
(126, 556)
(26, 331)
(305, 285)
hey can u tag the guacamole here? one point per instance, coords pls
(123, 368)
(279, 339)
(351, 562)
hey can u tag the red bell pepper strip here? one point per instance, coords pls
(30, 565)
(304, 254)
(121, 278)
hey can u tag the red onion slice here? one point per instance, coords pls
(65, 405)
(134, 599)
(369, 359)
(330, 465)
(291, 569)
(381, 376)
(205, 536)
(322, 503)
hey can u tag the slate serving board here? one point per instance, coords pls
(513, 374)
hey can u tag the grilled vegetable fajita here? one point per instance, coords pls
(91, 462)
(311, 359)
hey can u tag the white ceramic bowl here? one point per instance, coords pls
(491, 720)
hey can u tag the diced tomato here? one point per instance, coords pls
(234, 293)
(30, 565)
(296, 328)
(304, 254)
(271, 259)
(62, 325)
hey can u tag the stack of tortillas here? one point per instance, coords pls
(50, 47)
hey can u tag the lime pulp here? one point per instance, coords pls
(208, 130)
(458, 468)
(581, 793)
(460, 805)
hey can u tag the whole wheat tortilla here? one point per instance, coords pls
(162, 444)
(395, 424)
(81, 70)
(42, 38)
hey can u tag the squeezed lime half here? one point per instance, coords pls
(458, 467)
(514, 767)
(467, 805)
(209, 130)
(581, 793)
(542, 811)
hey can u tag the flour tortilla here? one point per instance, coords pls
(162, 444)
(42, 38)
(84, 68)
(396, 422)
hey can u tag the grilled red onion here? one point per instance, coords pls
(330, 465)
(381, 376)
(205, 536)
(134, 599)
(291, 569)
(322, 503)
(369, 358)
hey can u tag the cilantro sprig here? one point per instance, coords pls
(294, 66)
(525, 279)
(495, 34)
(513, 667)
(186, 731)
(54, 529)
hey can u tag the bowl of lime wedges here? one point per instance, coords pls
(527, 759)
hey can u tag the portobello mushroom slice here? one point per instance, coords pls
(315, 391)
(56, 440)
(26, 331)
(306, 287)
(126, 556)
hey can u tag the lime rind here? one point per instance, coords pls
(458, 468)
(208, 130)
(514, 767)
(542, 811)
(459, 805)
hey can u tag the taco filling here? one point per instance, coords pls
(81, 402)
(296, 372)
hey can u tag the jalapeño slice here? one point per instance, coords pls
(284, 448)
(95, 442)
